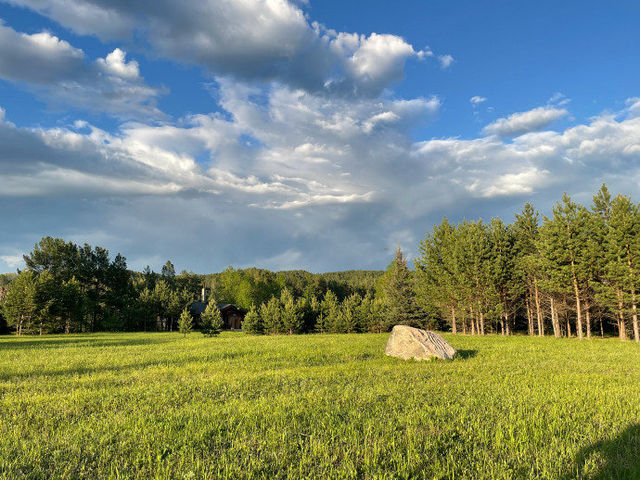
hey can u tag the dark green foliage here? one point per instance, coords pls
(211, 319)
(185, 323)
(575, 272)
(398, 294)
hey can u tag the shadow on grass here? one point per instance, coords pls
(613, 458)
(464, 354)
(75, 370)
(79, 341)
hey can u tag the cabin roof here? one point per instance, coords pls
(198, 308)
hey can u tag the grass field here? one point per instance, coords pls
(316, 406)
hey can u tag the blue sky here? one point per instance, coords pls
(303, 134)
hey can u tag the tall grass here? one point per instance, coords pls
(316, 406)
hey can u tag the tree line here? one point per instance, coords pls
(574, 273)
(67, 288)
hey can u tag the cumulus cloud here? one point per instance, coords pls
(61, 74)
(249, 39)
(304, 173)
(523, 122)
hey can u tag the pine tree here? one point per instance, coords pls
(291, 316)
(399, 294)
(436, 269)
(252, 322)
(271, 314)
(350, 314)
(330, 314)
(185, 323)
(501, 270)
(623, 265)
(212, 322)
(566, 240)
(526, 233)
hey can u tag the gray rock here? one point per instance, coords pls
(408, 342)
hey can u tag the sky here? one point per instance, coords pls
(304, 134)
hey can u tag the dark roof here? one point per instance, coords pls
(198, 308)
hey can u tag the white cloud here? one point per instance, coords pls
(249, 39)
(523, 122)
(477, 100)
(337, 177)
(115, 64)
(61, 75)
(446, 61)
(13, 261)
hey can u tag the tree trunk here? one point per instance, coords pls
(472, 319)
(538, 312)
(454, 328)
(481, 323)
(507, 320)
(622, 327)
(601, 328)
(577, 294)
(636, 334)
(529, 316)
(587, 309)
(568, 327)
(554, 318)
(502, 325)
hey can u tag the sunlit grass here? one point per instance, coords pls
(316, 406)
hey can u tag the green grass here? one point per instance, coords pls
(316, 406)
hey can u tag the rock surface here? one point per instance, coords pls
(408, 342)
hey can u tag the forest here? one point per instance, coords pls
(572, 274)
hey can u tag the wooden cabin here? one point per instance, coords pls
(232, 315)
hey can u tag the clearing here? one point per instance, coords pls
(156, 405)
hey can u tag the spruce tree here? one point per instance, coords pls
(271, 314)
(185, 323)
(330, 314)
(253, 322)
(291, 315)
(212, 322)
(399, 294)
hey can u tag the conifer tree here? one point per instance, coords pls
(331, 313)
(185, 323)
(567, 239)
(253, 322)
(623, 249)
(436, 269)
(501, 270)
(271, 314)
(399, 294)
(212, 322)
(291, 315)
(526, 231)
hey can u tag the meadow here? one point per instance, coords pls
(157, 405)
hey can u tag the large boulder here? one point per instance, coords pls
(408, 342)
